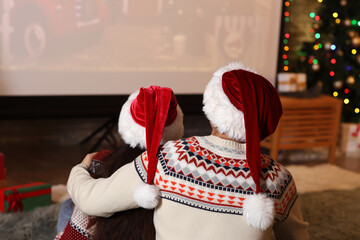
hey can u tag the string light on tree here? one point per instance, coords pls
(355, 41)
(343, 3)
(350, 80)
(347, 22)
(338, 84)
(316, 67)
(358, 59)
(335, 50)
(285, 41)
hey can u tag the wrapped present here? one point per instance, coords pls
(350, 139)
(291, 82)
(25, 197)
(2, 171)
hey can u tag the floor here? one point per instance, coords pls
(46, 149)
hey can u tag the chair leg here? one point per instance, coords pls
(332, 153)
(274, 152)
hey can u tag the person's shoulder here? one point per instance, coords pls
(279, 184)
(271, 166)
(276, 177)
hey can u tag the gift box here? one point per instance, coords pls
(350, 139)
(291, 82)
(2, 171)
(25, 197)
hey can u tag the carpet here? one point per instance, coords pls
(332, 209)
(332, 214)
(39, 224)
(323, 177)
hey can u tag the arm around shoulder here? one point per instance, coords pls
(103, 196)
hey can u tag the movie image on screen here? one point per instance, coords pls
(68, 47)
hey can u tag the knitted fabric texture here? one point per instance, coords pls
(80, 225)
(198, 173)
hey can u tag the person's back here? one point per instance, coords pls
(204, 183)
(212, 187)
(133, 224)
(136, 224)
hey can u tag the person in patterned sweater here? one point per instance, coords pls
(211, 187)
(104, 163)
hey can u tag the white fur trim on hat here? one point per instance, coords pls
(218, 108)
(259, 211)
(146, 195)
(135, 135)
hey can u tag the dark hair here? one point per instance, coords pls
(134, 224)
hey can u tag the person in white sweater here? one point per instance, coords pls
(212, 187)
(161, 101)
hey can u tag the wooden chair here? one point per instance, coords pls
(306, 123)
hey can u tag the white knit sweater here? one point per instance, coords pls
(203, 182)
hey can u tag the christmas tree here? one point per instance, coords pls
(334, 56)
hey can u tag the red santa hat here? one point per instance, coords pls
(150, 117)
(246, 107)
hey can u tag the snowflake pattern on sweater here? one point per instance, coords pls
(198, 173)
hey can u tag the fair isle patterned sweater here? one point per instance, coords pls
(197, 173)
(204, 182)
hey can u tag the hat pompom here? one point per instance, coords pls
(147, 196)
(259, 211)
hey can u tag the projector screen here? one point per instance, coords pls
(112, 47)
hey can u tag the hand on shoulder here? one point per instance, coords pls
(87, 159)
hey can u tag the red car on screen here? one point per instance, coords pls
(37, 24)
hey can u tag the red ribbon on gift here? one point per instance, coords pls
(15, 199)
